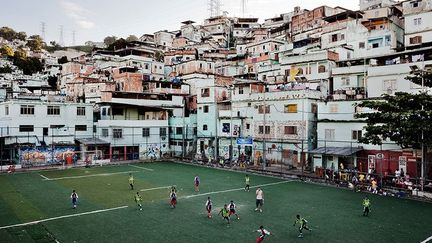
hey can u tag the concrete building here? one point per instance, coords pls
(418, 23)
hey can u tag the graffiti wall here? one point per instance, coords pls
(39, 156)
(152, 151)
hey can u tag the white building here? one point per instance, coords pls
(418, 22)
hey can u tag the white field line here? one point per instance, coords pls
(427, 240)
(62, 217)
(154, 188)
(143, 168)
(46, 178)
(233, 190)
(84, 176)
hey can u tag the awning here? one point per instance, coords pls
(341, 151)
(92, 141)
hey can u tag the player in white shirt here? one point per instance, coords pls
(232, 209)
(208, 206)
(259, 199)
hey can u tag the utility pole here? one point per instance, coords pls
(264, 128)
(61, 42)
(232, 126)
(43, 25)
(73, 37)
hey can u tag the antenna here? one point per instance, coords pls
(73, 37)
(243, 7)
(214, 7)
(61, 36)
(43, 30)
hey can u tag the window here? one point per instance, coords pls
(53, 110)
(418, 21)
(179, 130)
(356, 135)
(247, 126)
(291, 108)
(416, 40)
(362, 45)
(206, 109)
(7, 110)
(117, 111)
(105, 132)
(389, 86)
(27, 110)
(262, 109)
(261, 129)
(333, 108)
(334, 38)
(162, 131)
(117, 133)
(290, 130)
(321, 69)
(80, 128)
(240, 90)
(205, 92)
(300, 71)
(414, 4)
(205, 127)
(345, 81)
(329, 134)
(81, 111)
(267, 129)
(375, 45)
(26, 128)
(146, 132)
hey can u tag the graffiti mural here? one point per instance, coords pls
(149, 151)
(46, 155)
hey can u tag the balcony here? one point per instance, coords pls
(350, 94)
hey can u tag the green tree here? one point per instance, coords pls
(109, 40)
(118, 44)
(21, 35)
(7, 33)
(6, 69)
(131, 38)
(7, 51)
(35, 43)
(63, 60)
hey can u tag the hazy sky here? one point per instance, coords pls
(95, 19)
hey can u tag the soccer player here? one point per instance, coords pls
(232, 209)
(173, 188)
(247, 181)
(173, 198)
(225, 213)
(263, 233)
(74, 197)
(196, 183)
(366, 206)
(131, 181)
(138, 200)
(259, 199)
(208, 206)
(302, 222)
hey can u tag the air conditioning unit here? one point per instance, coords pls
(163, 138)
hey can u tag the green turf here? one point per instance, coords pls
(333, 214)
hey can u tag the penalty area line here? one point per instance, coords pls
(427, 240)
(154, 188)
(84, 176)
(143, 168)
(46, 178)
(235, 189)
(62, 217)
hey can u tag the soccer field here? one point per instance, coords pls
(107, 212)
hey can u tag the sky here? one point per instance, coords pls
(95, 19)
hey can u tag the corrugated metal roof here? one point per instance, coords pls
(342, 151)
